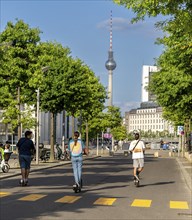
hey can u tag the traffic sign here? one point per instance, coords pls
(180, 130)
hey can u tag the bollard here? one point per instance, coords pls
(156, 154)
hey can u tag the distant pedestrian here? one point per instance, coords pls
(2, 155)
(76, 148)
(7, 146)
(137, 147)
(26, 149)
(120, 144)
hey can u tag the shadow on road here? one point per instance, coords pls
(157, 184)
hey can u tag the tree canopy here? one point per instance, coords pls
(173, 82)
(68, 84)
(17, 60)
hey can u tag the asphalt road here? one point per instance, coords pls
(108, 193)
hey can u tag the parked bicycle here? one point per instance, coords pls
(63, 155)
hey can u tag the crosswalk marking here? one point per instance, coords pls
(3, 194)
(104, 201)
(178, 205)
(141, 203)
(68, 199)
(100, 201)
(32, 197)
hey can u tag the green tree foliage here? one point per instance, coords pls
(119, 133)
(172, 84)
(85, 95)
(51, 82)
(104, 120)
(153, 8)
(68, 84)
(17, 61)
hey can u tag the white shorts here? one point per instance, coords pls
(138, 163)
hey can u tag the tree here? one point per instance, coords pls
(50, 83)
(85, 95)
(152, 8)
(172, 84)
(16, 69)
(119, 133)
(104, 120)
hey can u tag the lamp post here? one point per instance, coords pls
(44, 69)
(37, 129)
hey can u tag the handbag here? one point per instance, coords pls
(134, 147)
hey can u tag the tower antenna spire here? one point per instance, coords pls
(111, 31)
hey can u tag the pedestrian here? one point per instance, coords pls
(76, 148)
(2, 155)
(26, 149)
(137, 147)
(120, 144)
(7, 146)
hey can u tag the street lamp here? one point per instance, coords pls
(43, 69)
(37, 129)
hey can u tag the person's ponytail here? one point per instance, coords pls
(76, 135)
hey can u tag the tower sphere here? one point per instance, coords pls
(110, 64)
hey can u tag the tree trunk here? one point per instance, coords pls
(63, 133)
(19, 115)
(52, 138)
(73, 125)
(87, 135)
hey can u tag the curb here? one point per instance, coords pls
(188, 179)
(52, 165)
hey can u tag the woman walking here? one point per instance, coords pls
(76, 147)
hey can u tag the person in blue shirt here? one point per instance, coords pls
(76, 148)
(25, 148)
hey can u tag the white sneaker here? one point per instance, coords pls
(137, 178)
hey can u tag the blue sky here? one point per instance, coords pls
(83, 26)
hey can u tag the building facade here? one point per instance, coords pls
(147, 119)
(63, 129)
(147, 72)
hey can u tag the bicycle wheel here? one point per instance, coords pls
(5, 168)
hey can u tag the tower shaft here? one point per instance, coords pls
(110, 88)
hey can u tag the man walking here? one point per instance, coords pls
(26, 149)
(137, 147)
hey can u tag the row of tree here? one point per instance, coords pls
(64, 83)
(172, 84)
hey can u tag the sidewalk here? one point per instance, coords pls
(15, 169)
(186, 169)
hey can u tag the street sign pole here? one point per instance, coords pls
(97, 144)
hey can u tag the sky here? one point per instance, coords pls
(83, 26)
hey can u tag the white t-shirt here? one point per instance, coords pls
(138, 151)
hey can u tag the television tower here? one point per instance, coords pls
(110, 65)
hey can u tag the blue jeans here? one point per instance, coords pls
(77, 168)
